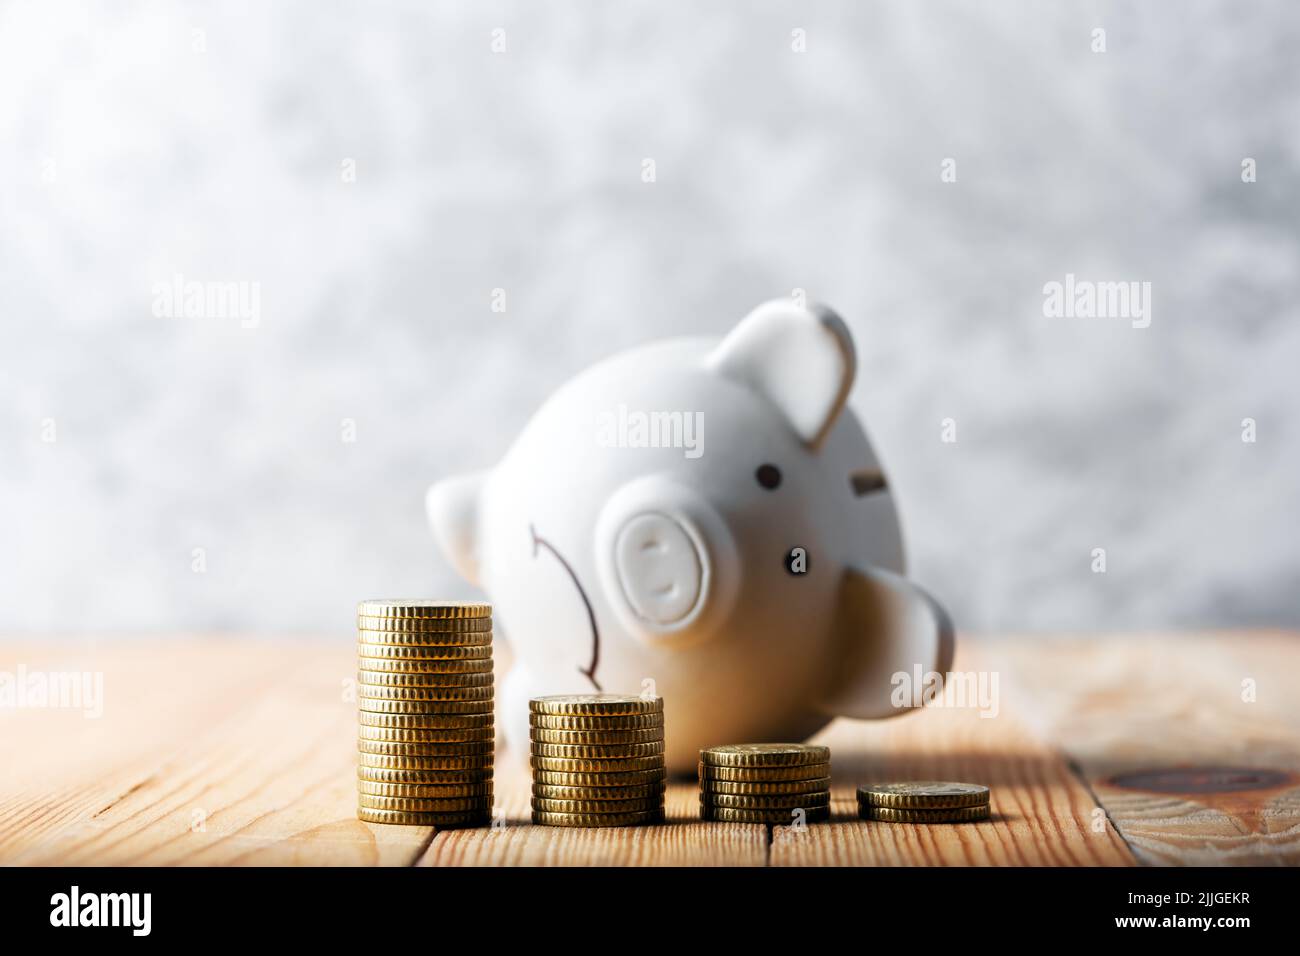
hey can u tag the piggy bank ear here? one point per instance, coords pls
(452, 505)
(886, 625)
(800, 358)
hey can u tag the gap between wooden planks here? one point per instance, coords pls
(1041, 812)
(231, 752)
(1191, 742)
(208, 753)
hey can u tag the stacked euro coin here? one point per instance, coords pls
(765, 783)
(597, 759)
(426, 731)
(923, 801)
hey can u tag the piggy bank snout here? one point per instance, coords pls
(668, 563)
(659, 568)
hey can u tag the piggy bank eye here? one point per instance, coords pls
(769, 476)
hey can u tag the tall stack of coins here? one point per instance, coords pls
(765, 783)
(597, 759)
(923, 801)
(426, 730)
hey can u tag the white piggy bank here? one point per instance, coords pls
(706, 521)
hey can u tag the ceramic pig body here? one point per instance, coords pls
(639, 533)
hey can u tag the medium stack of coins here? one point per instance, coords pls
(765, 783)
(426, 730)
(597, 759)
(923, 801)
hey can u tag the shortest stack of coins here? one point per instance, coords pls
(923, 801)
(765, 783)
(425, 697)
(597, 759)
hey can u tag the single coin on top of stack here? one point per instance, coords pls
(765, 783)
(597, 759)
(426, 732)
(923, 801)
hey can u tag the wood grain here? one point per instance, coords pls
(206, 753)
(1190, 769)
(682, 841)
(243, 753)
(1041, 814)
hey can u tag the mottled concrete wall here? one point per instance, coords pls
(134, 148)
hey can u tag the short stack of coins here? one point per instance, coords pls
(765, 783)
(425, 711)
(923, 801)
(597, 759)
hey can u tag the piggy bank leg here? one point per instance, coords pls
(887, 629)
(517, 688)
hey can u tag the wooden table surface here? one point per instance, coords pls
(1105, 750)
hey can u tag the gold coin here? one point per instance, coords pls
(781, 787)
(550, 819)
(426, 638)
(764, 774)
(472, 748)
(595, 705)
(547, 805)
(426, 721)
(437, 791)
(411, 625)
(415, 652)
(586, 724)
(386, 607)
(596, 764)
(417, 735)
(408, 818)
(765, 755)
(425, 805)
(772, 801)
(384, 692)
(568, 778)
(923, 795)
(773, 817)
(386, 679)
(598, 751)
(950, 815)
(386, 665)
(481, 762)
(424, 707)
(603, 738)
(612, 794)
(444, 778)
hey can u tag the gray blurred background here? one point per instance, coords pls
(138, 142)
